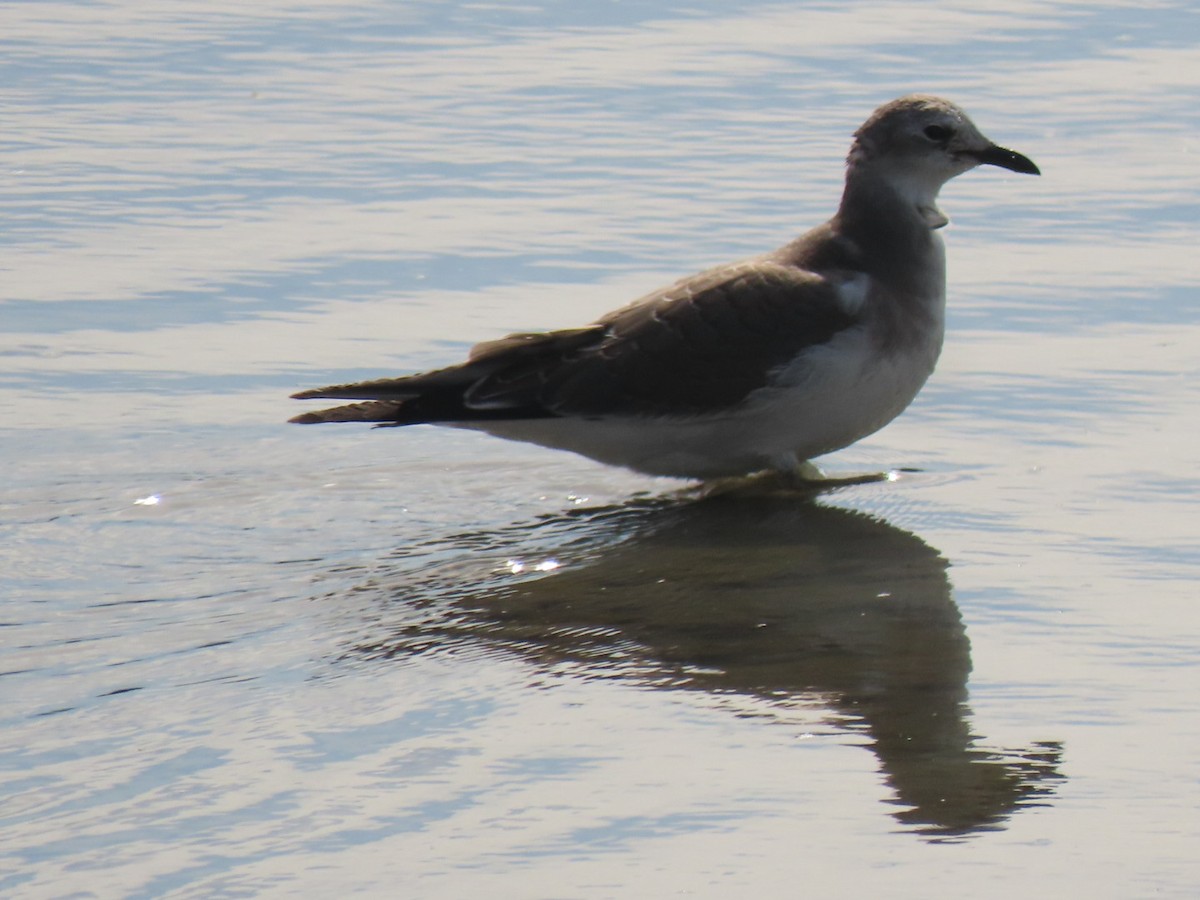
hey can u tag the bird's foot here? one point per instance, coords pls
(807, 477)
(804, 480)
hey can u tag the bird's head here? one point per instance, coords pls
(917, 143)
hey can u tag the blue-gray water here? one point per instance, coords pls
(245, 658)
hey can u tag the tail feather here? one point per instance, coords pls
(381, 389)
(414, 405)
(408, 400)
(512, 368)
(388, 412)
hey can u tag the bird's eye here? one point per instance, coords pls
(939, 133)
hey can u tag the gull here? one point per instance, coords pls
(756, 365)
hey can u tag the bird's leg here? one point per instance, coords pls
(802, 473)
(805, 475)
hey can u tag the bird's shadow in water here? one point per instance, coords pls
(756, 594)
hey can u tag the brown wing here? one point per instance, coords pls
(701, 345)
(698, 346)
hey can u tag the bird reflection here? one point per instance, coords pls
(763, 598)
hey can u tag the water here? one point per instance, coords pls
(245, 658)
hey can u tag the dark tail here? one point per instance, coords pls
(502, 379)
(384, 412)
(416, 399)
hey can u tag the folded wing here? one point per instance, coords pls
(695, 348)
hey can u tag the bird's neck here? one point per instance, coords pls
(891, 217)
(902, 197)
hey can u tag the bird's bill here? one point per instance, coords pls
(1005, 159)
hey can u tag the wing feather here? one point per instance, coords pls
(701, 345)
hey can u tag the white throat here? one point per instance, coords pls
(918, 190)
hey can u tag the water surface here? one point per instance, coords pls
(245, 658)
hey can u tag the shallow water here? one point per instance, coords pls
(243, 658)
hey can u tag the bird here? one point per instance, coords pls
(753, 366)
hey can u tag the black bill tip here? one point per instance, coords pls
(1006, 159)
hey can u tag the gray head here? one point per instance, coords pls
(930, 138)
(914, 145)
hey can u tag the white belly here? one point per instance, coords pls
(831, 397)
